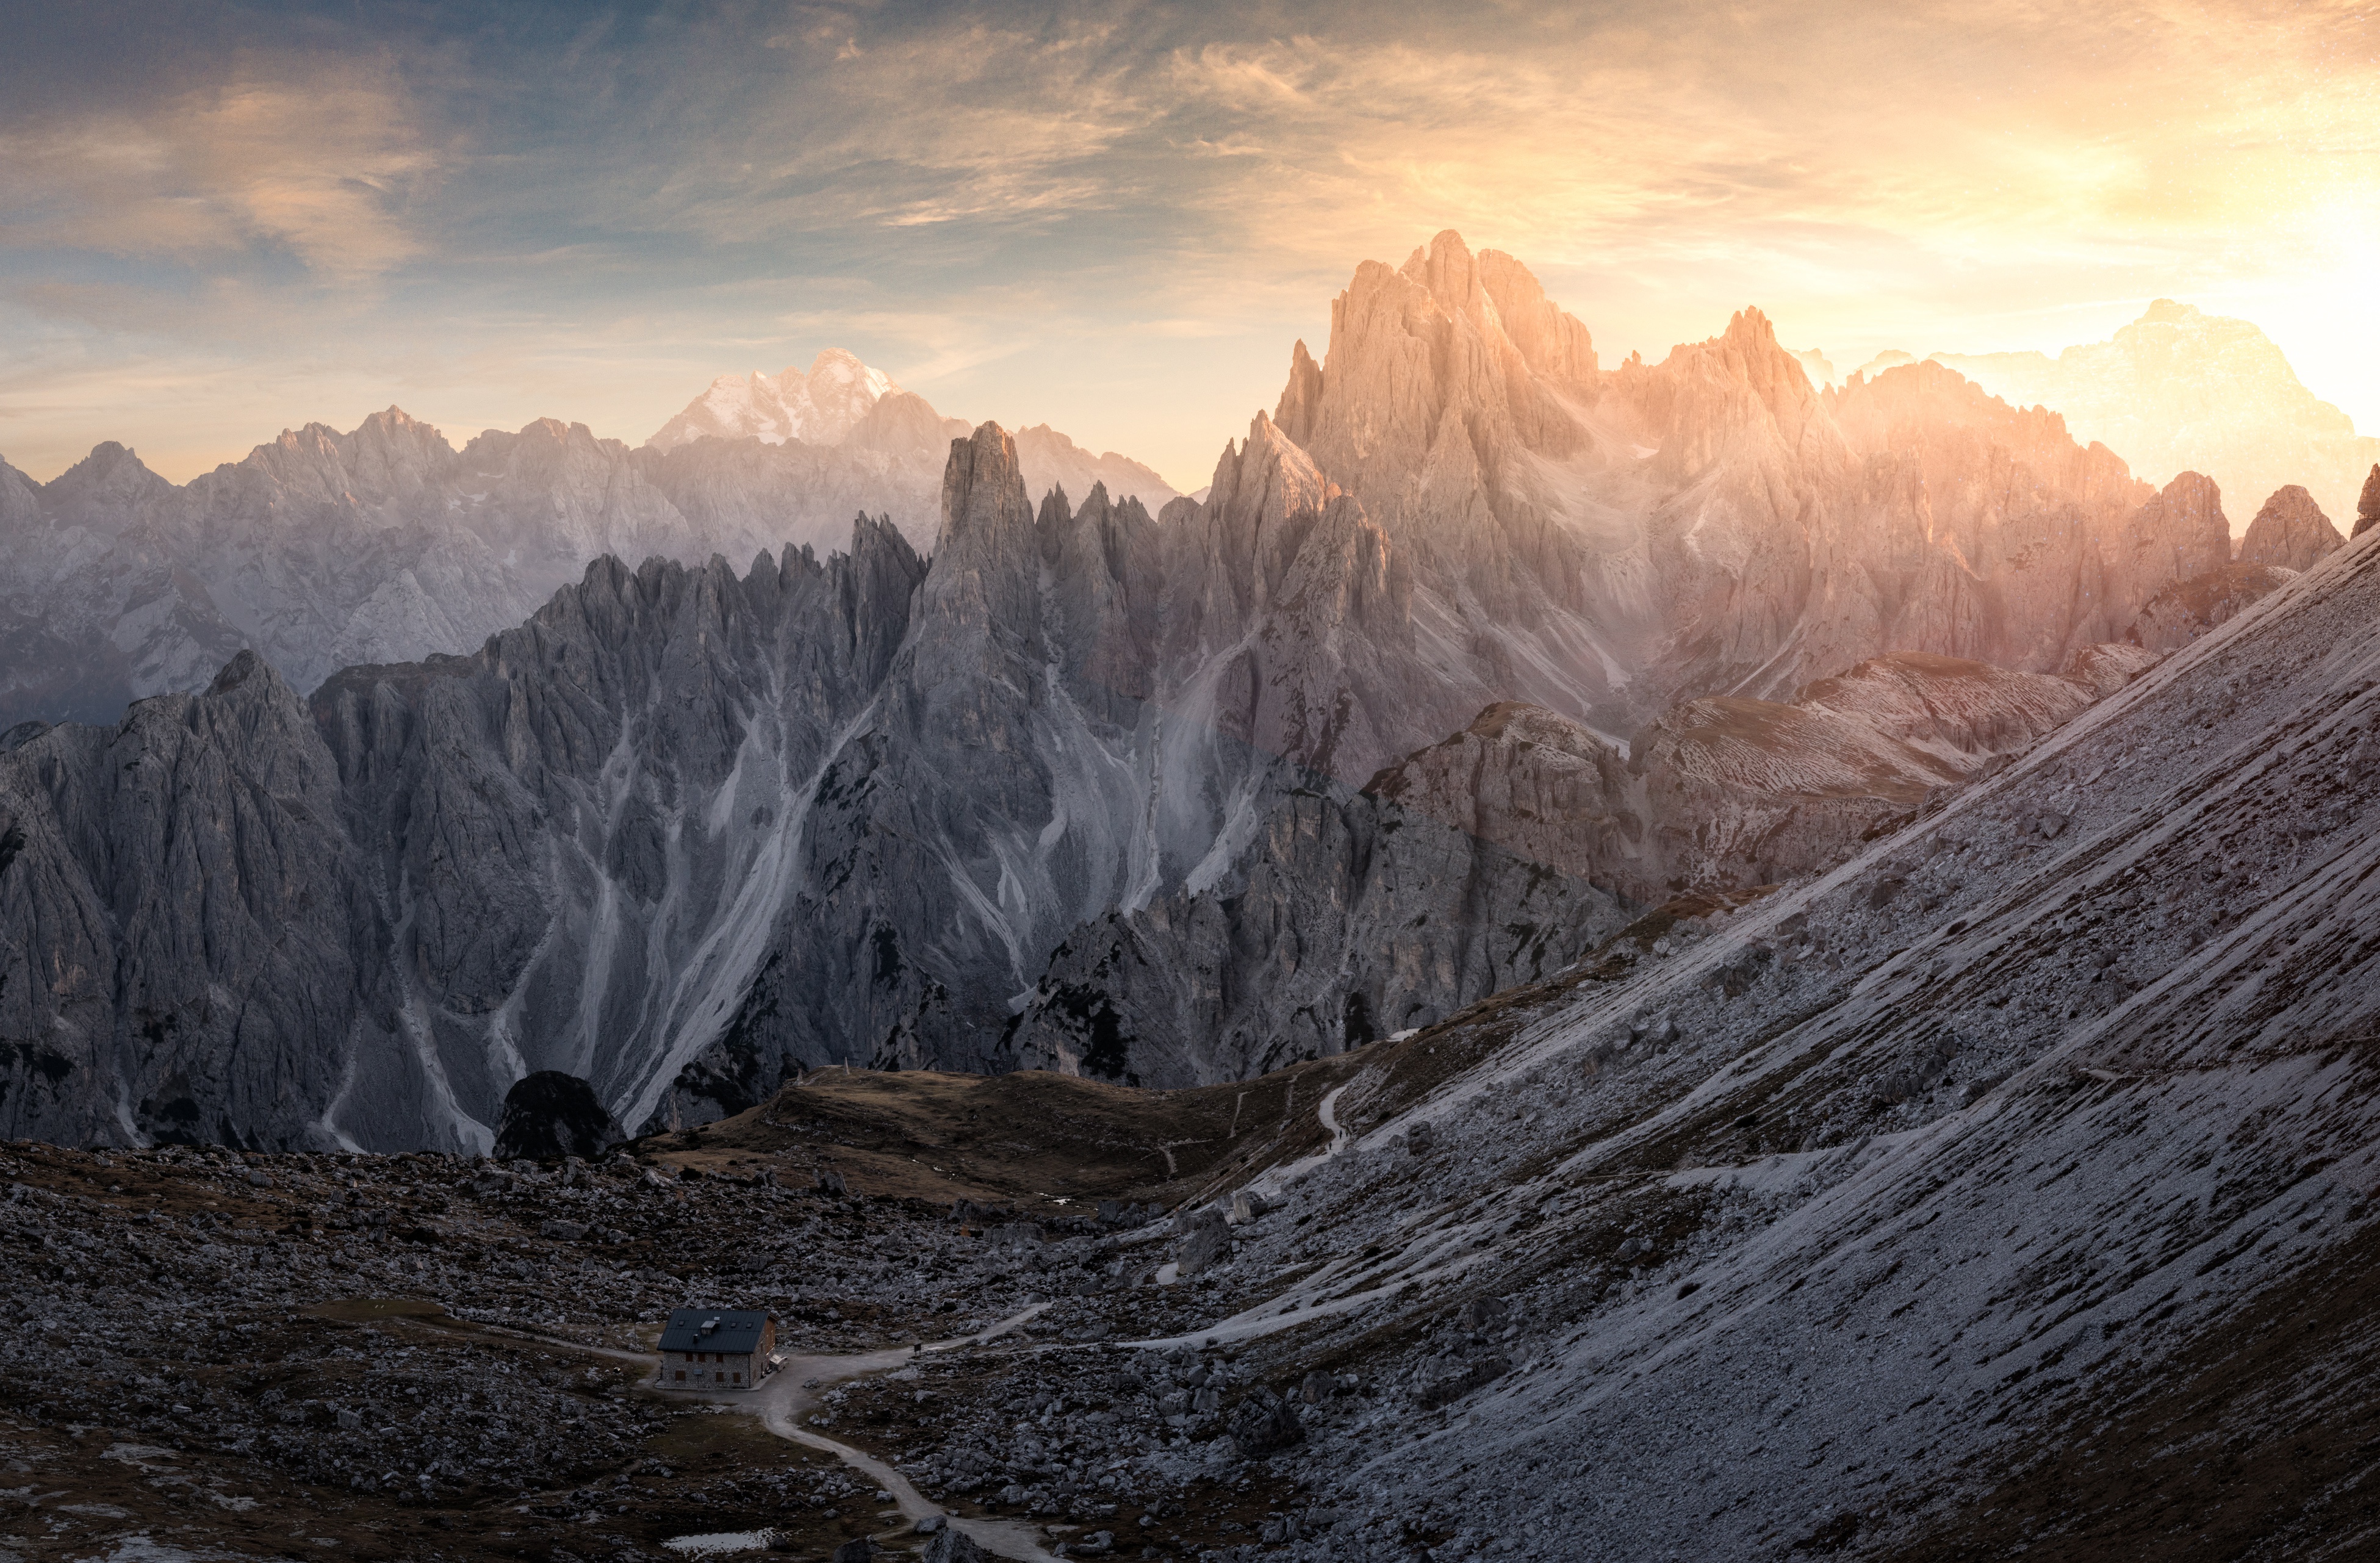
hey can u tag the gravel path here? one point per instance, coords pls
(791, 1391)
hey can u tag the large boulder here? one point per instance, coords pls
(1207, 1243)
(551, 1114)
(1265, 1424)
(2367, 509)
(952, 1545)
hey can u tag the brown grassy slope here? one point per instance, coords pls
(1027, 1138)
(1037, 1139)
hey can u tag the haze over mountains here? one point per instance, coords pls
(2180, 390)
(1085, 787)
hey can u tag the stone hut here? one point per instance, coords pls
(716, 1347)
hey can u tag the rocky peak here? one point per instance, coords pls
(541, 450)
(392, 454)
(1732, 396)
(1447, 269)
(980, 603)
(2181, 389)
(105, 490)
(1550, 340)
(239, 671)
(1266, 491)
(1049, 458)
(985, 507)
(2290, 531)
(1105, 575)
(250, 710)
(21, 500)
(1301, 399)
(2177, 535)
(900, 422)
(2367, 507)
(1434, 414)
(1774, 375)
(1926, 407)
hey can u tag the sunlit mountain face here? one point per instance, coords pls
(1322, 785)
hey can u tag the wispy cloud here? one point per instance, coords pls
(322, 167)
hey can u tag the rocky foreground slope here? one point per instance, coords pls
(1969, 1199)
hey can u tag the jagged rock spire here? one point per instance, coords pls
(2289, 531)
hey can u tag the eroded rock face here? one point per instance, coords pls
(191, 940)
(1713, 521)
(1501, 854)
(687, 829)
(1087, 789)
(2367, 506)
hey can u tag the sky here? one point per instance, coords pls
(221, 220)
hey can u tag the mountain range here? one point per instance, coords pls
(1473, 650)
(385, 543)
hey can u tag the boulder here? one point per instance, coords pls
(1209, 1242)
(952, 1545)
(1265, 1424)
(1460, 1378)
(551, 1114)
(2367, 508)
(1486, 1312)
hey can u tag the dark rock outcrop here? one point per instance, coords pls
(1264, 1423)
(550, 1114)
(2187, 609)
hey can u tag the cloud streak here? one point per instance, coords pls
(321, 173)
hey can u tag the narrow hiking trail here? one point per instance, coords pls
(791, 1392)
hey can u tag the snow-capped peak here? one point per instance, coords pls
(819, 407)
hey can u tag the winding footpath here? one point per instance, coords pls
(791, 1392)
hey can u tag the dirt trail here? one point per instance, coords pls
(791, 1392)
